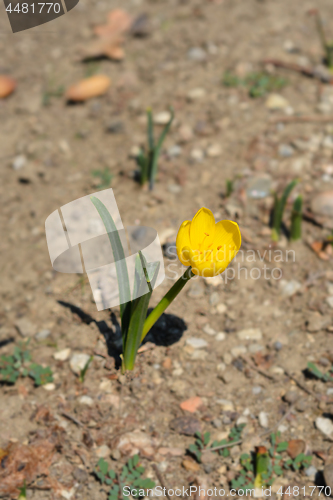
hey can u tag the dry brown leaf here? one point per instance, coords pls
(7, 86)
(106, 46)
(118, 22)
(323, 250)
(89, 87)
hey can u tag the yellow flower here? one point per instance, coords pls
(205, 246)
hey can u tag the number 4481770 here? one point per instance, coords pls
(296, 491)
(24, 8)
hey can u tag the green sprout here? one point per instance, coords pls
(257, 84)
(85, 369)
(229, 188)
(19, 365)
(50, 91)
(105, 176)
(279, 207)
(147, 160)
(327, 46)
(296, 219)
(202, 443)
(325, 377)
(129, 478)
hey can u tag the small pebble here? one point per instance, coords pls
(103, 451)
(328, 475)
(25, 327)
(78, 361)
(329, 301)
(263, 419)
(43, 334)
(256, 390)
(220, 336)
(277, 346)
(226, 404)
(197, 155)
(238, 351)
(174, 188)
(62, 355)
(276, 101)
(289, 288)
(285, 150)
(197, 54)
(19, 162)
(253, 348)
(196, 94)
(214, 298)
(221, 308)
(162, 118)
(311, 472)
(49, 387)
(174, 151)
(196, 342)
(325, 425)
(291, 396)
(86, 400)
(217, 423)
(209, 330)
(214, 151)
(250, 334)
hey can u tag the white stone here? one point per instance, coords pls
(103, 451)
(325, 425)
(19, 162)
(78, 361)
(196, 94)
(238, 351)
(49, 387)
(226, 404)
(263, 419)
(276, 101)
(209, 330)
(250, 334)
(329, 301)
(196, 342)
(62, 355)
(197, 155)
(214, 151)
(221, 308)
(220, 336)
(162, 118)
(289, 288)
(86, 400)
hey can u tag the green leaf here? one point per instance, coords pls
(315, 371)
(206, 438)
(157, 148)
(280, 205)
(283, 446)
(118, 253)
(103, 466)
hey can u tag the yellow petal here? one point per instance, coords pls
(227, 242)
(203, 268)
(183, 241)
(202, 229)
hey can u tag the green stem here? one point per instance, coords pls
(166, 301)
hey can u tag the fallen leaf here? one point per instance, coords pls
(89, 87)
(191, 404)
(118, 22)
(263, 361)
(186, 425)
(295, 447)
(7, 86)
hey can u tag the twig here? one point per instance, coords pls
(161, 480)
(306, 71)
(302, 119)
(302, 386)
(232, 443)
(254, 367)
(73, 419)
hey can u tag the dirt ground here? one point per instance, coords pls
(223, 134)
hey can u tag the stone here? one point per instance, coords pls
(197, 54)
(302, 405)
(277, 345)
(322, 204)
(132, 443)
(276, 102)
(25, 327)
(103, 451)
(259, 187)
(220, 336)
(289, 288)
(311, 472)
(221, 308)
(250, 334)
(214, 151)
(196, 94)
(162, 118)
(196, 290)
(329, 301)
(285, 150)
(62, 355)
(263, 419)
(187, 425)
(253, 348)
(49, 387)
(43, 334)
(328, 475)
(256, 390)
(174, 151)
(190, 465)
(185, 134)
(115, 127)
(214, 298)
(238, 351)
(317, 322)
(196, 342)
(197, 155)
(86, 400)
(174, 188)
(325, 425)
(78, 361)
(19, 162)
(226, 404)
(209, 330)
(192, 404)
(291, 396)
